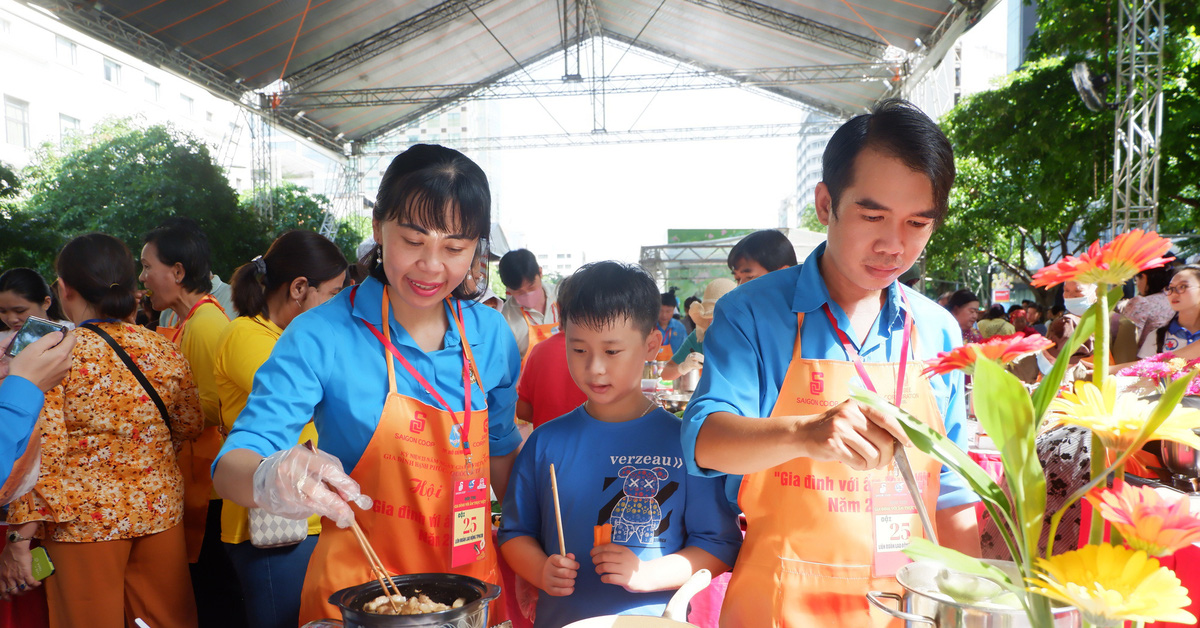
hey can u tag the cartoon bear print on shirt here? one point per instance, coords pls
(638, 514)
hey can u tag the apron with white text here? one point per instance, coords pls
(809, 554)
(409, 468)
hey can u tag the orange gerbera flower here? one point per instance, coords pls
(1148, 521)
(1114, 263)
(1003, 349)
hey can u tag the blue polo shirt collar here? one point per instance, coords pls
(811, 294)
(368, 304)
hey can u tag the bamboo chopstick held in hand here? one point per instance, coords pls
(380, 572)
(562, 545)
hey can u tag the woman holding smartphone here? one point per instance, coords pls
(23, 293)
(411, 385)
(109, 498)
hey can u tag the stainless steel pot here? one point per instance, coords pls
(921, 605)
(1181, 459)
(440, 587)
(687, 382)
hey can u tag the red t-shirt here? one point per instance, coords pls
(546, 383)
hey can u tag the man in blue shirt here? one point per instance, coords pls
(885, 187)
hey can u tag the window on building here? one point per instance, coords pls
(112, 71)
(153, 89)
(66, 50)
(67, 126)
(208, 116)
(16, 122)
(5, 26)
(455, 118)
(188, 103)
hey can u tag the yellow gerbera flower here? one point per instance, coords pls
(1117, 419)
(1111, 584)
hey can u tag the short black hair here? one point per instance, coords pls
(439, 189)
(30, 285)
(668, 298)
(996, 311)
(600, 294)
(1157, 278)
(896, 128)
(769, 248)
(960, 298)
(180, 240)
(518, 267)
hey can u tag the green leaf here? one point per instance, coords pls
(923, 549)
(1006, 414)
(941, 447)
(1048, 389)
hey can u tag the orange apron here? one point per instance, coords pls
(196, 457)
(665, 352)
(539, 333)
(810, 534)
(409, 468)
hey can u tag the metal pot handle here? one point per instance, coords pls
(873, 598)
(324, 623)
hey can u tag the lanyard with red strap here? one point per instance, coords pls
(208, 298)
(852, 353)
(469, 372)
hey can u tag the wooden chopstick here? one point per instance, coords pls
(562, 545)
(376, 566)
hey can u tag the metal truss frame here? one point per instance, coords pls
(262, 166)
(1139, 117)
(511, 87)
(741, 132)
(346, 196)
(803, 28)
(961, 16)
(91, 18)
(420, 24)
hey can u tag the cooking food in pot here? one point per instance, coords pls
(416, 605)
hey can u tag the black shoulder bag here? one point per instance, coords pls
(133, 368)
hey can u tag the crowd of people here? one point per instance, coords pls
(202, 448)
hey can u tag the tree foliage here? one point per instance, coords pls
(1035, 166)
(294, 207)
(125, 179)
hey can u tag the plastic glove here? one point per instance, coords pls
(298, 482)
(693, 361)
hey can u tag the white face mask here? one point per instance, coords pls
(1077, 305)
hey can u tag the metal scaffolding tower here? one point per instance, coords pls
(262, 168)
(1139, 116)
(347, 196)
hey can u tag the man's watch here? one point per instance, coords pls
(15, 537)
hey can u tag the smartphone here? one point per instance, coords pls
(42, 566)
(29, 333)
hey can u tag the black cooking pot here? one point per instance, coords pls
(440, 587)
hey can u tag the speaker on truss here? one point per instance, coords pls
(1091, 87)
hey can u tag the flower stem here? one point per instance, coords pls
(1099, 373)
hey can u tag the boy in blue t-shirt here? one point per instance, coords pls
(618, 461)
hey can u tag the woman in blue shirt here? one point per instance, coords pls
(403, 439)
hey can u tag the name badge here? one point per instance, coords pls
(471, 505)
(895, 520)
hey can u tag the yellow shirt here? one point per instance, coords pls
(243, 347)
(199, 345)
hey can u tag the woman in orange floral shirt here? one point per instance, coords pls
(109, 499)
